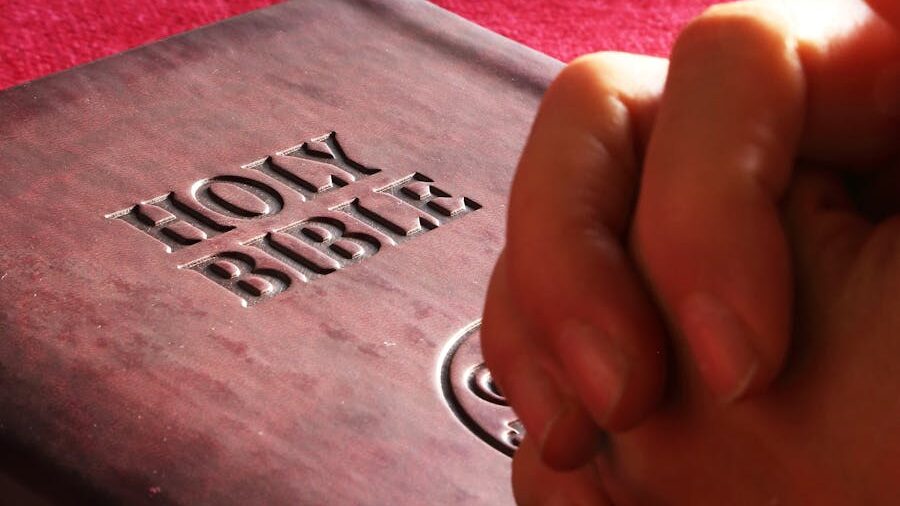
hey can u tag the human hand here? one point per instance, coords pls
(821, 93)
(823, 434)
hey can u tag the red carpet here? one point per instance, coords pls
(38, 37)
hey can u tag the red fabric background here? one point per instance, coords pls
(38, 37)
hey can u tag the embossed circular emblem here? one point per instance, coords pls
(474, 397)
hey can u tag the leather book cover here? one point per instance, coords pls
(245, 265)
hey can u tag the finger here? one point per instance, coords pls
(707, 228)
(851, 59)
(533, 384)
(534, 484)
(570, 208)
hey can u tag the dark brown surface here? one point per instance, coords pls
(208, 297)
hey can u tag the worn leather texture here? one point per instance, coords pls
(237, 262)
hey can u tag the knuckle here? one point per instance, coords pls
(594, 62)
(598, 71)
(583, 75)
(736, 27)
(585, 104)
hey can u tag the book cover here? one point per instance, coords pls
(245, 265)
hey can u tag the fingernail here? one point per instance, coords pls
(537, 399)
(596, 363)
(570, 439)
(721, 344)
(565, 434)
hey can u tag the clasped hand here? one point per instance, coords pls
(698, 299)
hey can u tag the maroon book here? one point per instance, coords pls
(246, 265)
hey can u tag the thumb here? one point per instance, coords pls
(707, 231)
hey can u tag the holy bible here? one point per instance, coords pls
(245, 265)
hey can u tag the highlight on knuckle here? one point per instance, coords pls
(586, 97)
(736, 28)
(583, 76)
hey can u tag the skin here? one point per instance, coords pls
(672, 278)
